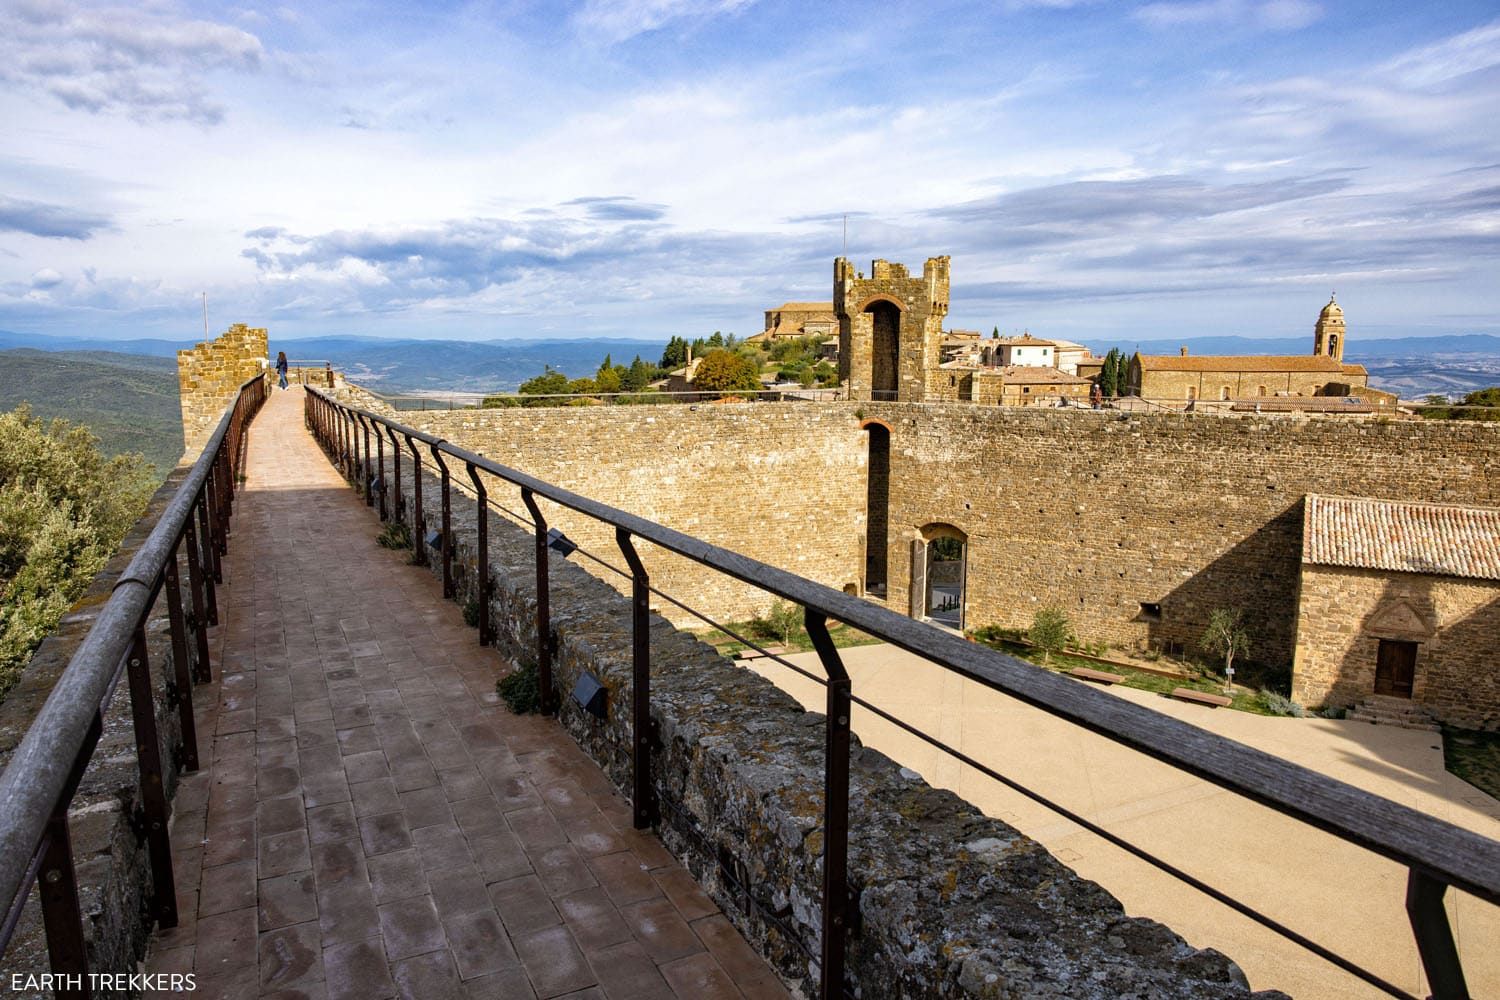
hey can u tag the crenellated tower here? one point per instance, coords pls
(890, 327)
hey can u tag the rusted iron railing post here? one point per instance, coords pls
(181, 665)
(398, 508)
(835, 807)
(1429, 922)
(418, 519)
(198, 620)
(645, 809)
(367, 474)
(380, 472)
(543, 605)
(211, 569)
(153, 792)
(447, 531)
(57, 882)
(482, 557)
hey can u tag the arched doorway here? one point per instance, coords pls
(940, 575)
(877, 506)
(885, 344)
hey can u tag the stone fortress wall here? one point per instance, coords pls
(209, 375)
(1099, 513)
(782, 483)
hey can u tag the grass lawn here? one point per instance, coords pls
(1474, 757)
(1244, 700)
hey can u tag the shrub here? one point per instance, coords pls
(519, 689)
(395, 535)
(1279, 705)
(781, 622)
(471, 611)
(1050, 631)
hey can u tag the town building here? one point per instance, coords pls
(1181, 379)
(1398, 607)
(798, 319)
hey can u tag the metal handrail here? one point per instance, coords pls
(43, 774)
(1437, 854)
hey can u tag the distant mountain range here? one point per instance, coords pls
(1413, 366)
(129, 401)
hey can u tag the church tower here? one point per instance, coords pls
(1328, 335)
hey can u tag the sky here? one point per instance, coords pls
(645, 168)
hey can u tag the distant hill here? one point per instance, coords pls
(403, 365)
(128, 400)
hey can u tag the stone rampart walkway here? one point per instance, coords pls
(374, 822)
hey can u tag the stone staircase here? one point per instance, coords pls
(1384, 710)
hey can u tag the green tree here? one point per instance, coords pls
(1482, 404)
(63, 510)
(1112, 376)
(725, 371)
(1226, 637)
(637, 376)
(1050, 631)
(782, 621)
(675, 355)
(608, 380)
(995, 333)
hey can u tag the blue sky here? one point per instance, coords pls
(647, 168)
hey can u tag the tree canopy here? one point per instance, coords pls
(725, 371)
(63, 510)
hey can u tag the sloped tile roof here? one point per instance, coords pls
(1246, 363)
(1442, 539)
(824, 307)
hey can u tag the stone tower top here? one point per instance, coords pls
(1328, 334)
(890, 327)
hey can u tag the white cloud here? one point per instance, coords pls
(46, 278)
(146, 63)
(1271, 15)
(614, 21)
(1452, 57)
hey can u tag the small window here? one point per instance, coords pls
(1261, 390)
(1192, 392)
(1151, 612)
(1224, 392)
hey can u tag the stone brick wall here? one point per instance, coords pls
(1097, 512)
(950, 902)
(1339, 635)
(782, 482)
(208, 377)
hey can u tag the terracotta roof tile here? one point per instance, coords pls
(822, 307)
(1246, 363)
(1442, 539)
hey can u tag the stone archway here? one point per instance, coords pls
(940, 575)
(885, 349)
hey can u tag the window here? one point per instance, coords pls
(1224, 392)
(1151, 611)
(1192, 392)
(1260, 390)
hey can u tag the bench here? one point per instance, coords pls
(1202, 697)
(1100, 676)
(755, 654)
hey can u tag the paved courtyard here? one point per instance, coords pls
(373, 823)
(1336, 894)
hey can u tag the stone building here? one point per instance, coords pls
(1008, 385)
(798, 319)
(1181, 379)
(890, 328)
(1018, 351)
(1399, 601)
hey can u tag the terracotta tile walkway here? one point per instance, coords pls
(374, 823)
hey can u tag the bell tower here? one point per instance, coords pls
(1328, 335)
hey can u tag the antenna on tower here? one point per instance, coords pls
(205, 315)
(846, 234)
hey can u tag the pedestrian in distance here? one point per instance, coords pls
(281, 367)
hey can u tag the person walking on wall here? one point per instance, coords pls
(281, 367)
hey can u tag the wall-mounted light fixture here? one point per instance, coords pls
(560, 543)
(591, 695)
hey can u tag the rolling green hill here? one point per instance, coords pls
(129, 401)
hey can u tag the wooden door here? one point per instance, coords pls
(1395, 667)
